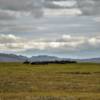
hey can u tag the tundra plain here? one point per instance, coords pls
(49, 82)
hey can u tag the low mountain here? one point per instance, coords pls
(41, 58)
(44, 58)
(12, 58)
(93, 60)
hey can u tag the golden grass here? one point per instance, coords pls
(49, 82)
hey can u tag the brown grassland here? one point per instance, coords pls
(49, 82)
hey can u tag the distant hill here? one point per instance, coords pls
(12, 58)
(93, 60)
(20, 58)
(44, 58)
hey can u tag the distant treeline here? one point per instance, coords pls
(50, 62)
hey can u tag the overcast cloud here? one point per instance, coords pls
(61, 27)
(16, 8)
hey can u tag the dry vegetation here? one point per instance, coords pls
(49, 82)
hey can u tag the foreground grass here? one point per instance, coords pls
(49, 82)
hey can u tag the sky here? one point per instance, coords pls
(63, 28)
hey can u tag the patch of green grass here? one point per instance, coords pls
(56, 81)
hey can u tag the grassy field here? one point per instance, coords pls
(49, 82)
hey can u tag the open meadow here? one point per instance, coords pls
(49, 82)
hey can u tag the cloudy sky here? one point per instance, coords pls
(65, 28)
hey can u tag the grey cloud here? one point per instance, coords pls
(14, 4)
(65, 45)
(88, 7)
(5, 15)
(65, 42)
(32, 6)
(12, 8)
(51, 4)
(20, 5)
(46, 27)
